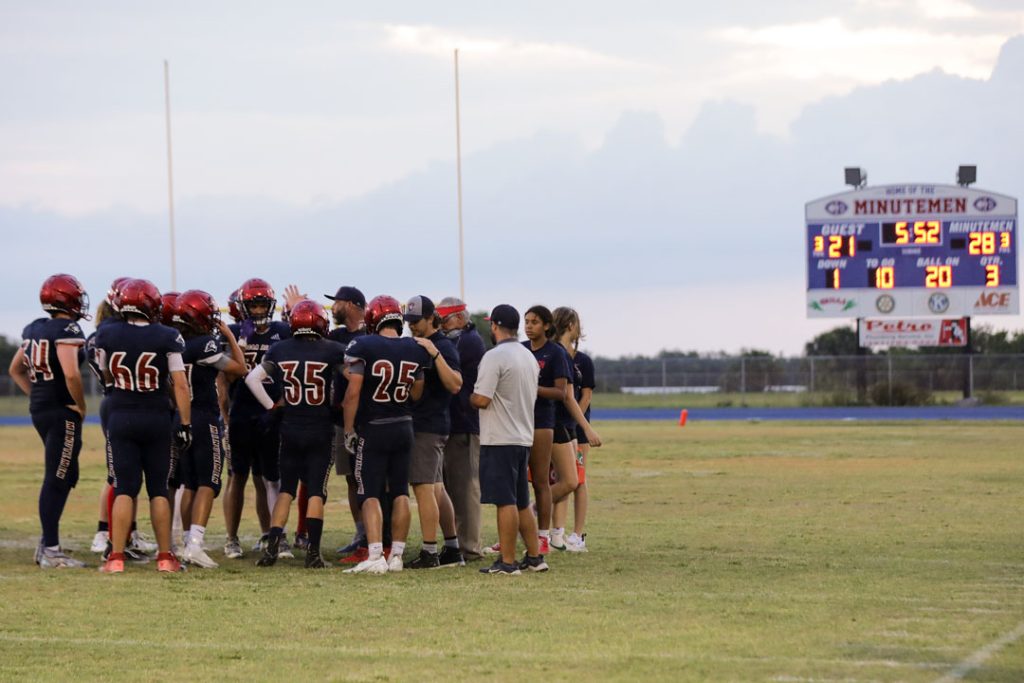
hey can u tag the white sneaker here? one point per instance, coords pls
(285, 549)
(233, 549)
(57, 559)
(378, 566)
(139, 541)
(576, 544)
(194, 554)
(557, 540)
(99, 541)
(493, 549)
(395, 564)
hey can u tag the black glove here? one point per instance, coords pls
(351, 440)
(270, 420)
(183, 437)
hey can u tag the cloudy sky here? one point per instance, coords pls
(648, 166)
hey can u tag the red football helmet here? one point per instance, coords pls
(255, 291)
(380, 310)
(140, 297)
(308, 317)
(234, 307)
(197, 311)
(167, 300)
(115, 290)
(63, 293)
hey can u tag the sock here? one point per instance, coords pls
(103, 526)
(135, 526)
(360, 529)
(186, 537)
(545, 533)
(315, 529)
(302, 526)
(398, 548)
(196, 535)
(559, 532)
(429, 547)
(273, 488)
(52, 498)
(276, 531)
(376, 551)
(452, 542)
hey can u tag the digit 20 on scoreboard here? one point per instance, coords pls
(912, 250)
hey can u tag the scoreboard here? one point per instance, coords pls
(912, 250)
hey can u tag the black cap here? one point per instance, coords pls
(418, 308)
(505, 316)
(349, 294)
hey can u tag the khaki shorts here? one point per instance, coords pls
(427, 465)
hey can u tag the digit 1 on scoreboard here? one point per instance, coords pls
(832, 278)
(992, 275)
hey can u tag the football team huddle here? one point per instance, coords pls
(283, 403)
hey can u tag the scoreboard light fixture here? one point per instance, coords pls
(966, 175)
(856, 177)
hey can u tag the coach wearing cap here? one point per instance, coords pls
(505, 390)
(462, 452)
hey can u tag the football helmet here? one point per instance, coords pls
(380, 310)
(234, 307)
(308, 317)
(167, 300)
(197, 311)
(140, 297)
(63, 293)
(255, 291)
(115, 289)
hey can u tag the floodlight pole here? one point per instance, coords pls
(458, 174)
(170, 174)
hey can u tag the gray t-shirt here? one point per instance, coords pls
(508, 376)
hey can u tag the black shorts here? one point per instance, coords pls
(306, 455)
(203, 463)
(255, 446)
(565, 433)
(581, 436)
(503, 475)
(383, 454)
(60, 429)
(140, 443)
(104, 416)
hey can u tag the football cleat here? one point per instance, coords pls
(270, 553)
(425, 560)
(353, 546)
(168, 563)
(57, 559)
(194, 554)
(451, 557)
(99, 542)
(545, 545)
(133, 555)
(395, 563)
(314, 561)
(284, 549)
(301, 542)
(362, 553)
(378, 566)
(576, 544)
(260, 544)
(533, 564)
(113, 565)
(503, 568)
(139, 542)
(233, 549)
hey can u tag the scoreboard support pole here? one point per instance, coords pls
(862, 369)
(968, 385)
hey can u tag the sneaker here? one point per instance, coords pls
(396, 563)
(140, 542)
(99, 542)
(354, 544)
(314, 561)
(58, 559)
(576, 544)
(425, 560)
(133, 555)
(500, 567)
(533, 564)
(177, 549)
(284, 549)
(38, 555)
(301, 542)
(361, 554)
(557, 541)
(260, 544)
(545, 545)
(233, 549)
(168, 563)
(270, 553)
(378, 566)
(493, 549)
(451, 557)
(194, 554)
(112, 566)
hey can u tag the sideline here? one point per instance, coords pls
(982, 655)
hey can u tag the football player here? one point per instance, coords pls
(254, 432)
(430, 424)
(305, 364)
(46, 367)
(385, 372)
(142, 359)
(199, 468)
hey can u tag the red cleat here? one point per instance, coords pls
(358, 556)
(167, 562)
(545, 545)
(114, 564)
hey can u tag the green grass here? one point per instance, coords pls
(741, 552)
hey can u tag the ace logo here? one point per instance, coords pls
(992, 301)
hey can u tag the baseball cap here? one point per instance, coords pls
(349, 294)
(418, 308)
(505, 316)
(450, 305)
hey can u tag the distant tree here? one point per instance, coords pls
(841, 341)
(8, 347)
(984, 340)
(483, 327)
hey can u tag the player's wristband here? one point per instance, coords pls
(434, 357)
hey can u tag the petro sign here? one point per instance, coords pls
(913, 332)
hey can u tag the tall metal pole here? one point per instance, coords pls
(170, 174)
(458, 172)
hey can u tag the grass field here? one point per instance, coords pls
(719, 551)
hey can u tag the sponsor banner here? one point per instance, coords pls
(913, 332)
(912, 302)
(937, 202)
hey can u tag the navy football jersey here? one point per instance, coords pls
(305, 367)
(554, 365)
(39, 340)
(343, 336)
(202, 354)
(390, 366)
(430, 413)
(92, 358)
(465, 419)
(254, 348)
(585, 367)
(136, 356)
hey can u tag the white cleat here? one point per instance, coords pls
(99, 541)
(378, 566)
(395, 564)
(57, 559)
(576, 544)
(139, 541)
(194, 554)
(285, 549)
(233, 549)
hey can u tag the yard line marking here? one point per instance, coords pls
(982, 655)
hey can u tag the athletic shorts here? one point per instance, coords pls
(60, 429)
(564, 433)
(503, 475)
(306, 456)
(203, 463)
(343, 460)
(140, 444)
(104, 416)
(383, 452)
(427, 466)
(255, 446)
(581, 436)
